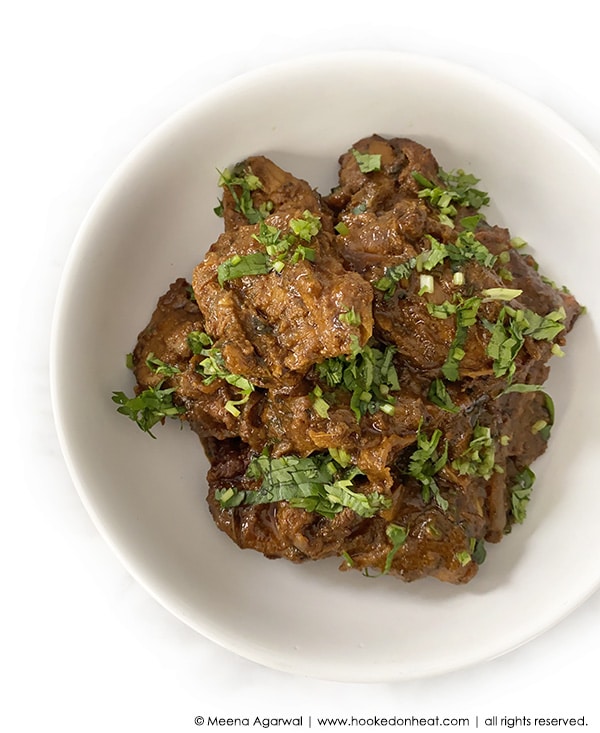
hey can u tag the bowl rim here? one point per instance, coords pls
(213, 96)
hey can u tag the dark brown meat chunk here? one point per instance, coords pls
(273, 328)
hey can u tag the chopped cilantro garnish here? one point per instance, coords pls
(425, 462)
(280, 249)
(438, 395)
(463, 557)
(441, 310)
(479, 458)
(307, 227)
(504, 345)
(521, 493)
(350, 317)
(510, 329)
(320, 405)
(465, 247)
(397, 536)
(347, 559)
(459, 190)
(241, 183)
(367, 163)
(158, 366)
(539, 426)
(541, 328)
(213, 367)
(463, 184)
(466, 315)
(394, 275)
(149, 407)
(501, 293)
(340, 456)
(368, 373)
(198, 341)
(316, 483)
(518, 243)
(478, 551)
(268, 235)
(522, 388)
(429, 258)
(191, 294)
(255, 263)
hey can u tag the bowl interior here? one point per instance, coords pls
(154, 222)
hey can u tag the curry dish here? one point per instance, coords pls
(364, 369)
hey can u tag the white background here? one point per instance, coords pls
(84, 648)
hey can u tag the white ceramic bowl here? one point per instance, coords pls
(154, 222)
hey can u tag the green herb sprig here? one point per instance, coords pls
(479, 457)
(466, 247)
(426, 461)
(280, 249)
(367, 163)
(397, 535)
(241, 183)
(509, 331)
(521, 494)
(316, 483)
(368, 374)
(459, 190)
(213, 367)
(149, 407)
(438, 395)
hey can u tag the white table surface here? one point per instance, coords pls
(84, 648)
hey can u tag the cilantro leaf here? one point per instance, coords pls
(459, 190)
(438, 395)
(307, 227)
(255, 263)
(158, 366)
(466, 315)
(479, 457)
(316, 483)
(463, 185)
(368, 373)
(501, 293)
(213, 367)
(504, 345)
(241, 182)
(510, 329)
(478, 551)
(393, 275)
(280, 249)
(397, 536)
(367, 163)
(521, 493)
(149, 407)
(425, 462)
(320, 405)
(350, 317)
(463, 557)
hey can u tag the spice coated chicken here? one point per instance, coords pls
(365, 369)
